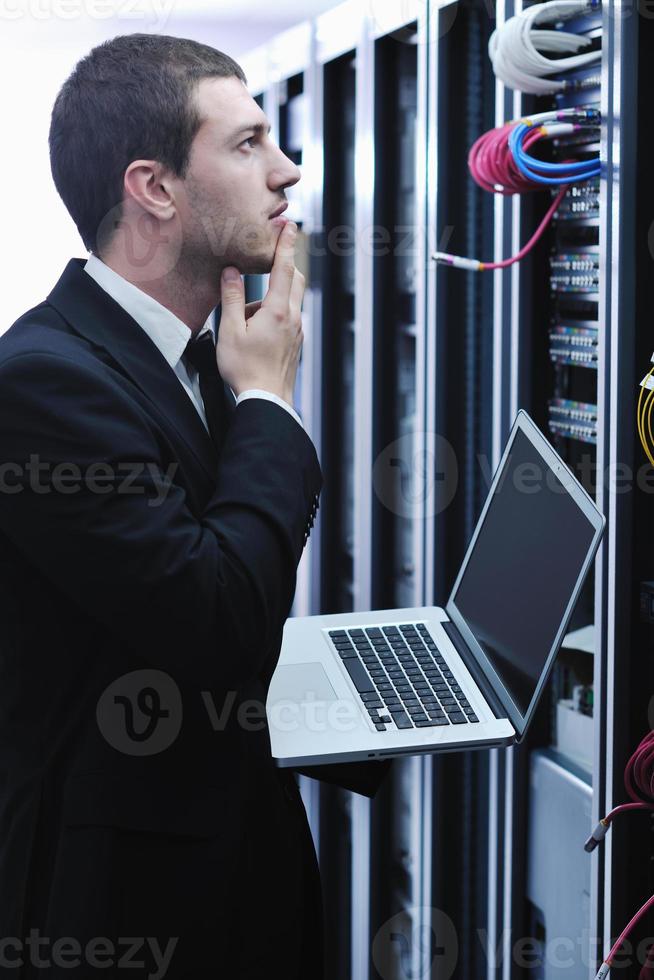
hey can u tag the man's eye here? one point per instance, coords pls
(249, 141)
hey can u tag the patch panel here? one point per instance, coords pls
(576, 272)
(574, 279)
(574, 345)
(581, 202)
(573, 419)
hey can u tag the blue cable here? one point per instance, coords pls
(567, 172)
(544, 167)
(582, 170)
(555, 181)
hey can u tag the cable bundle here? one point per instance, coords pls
(542, 172)
(644, 415)
(491, 163)
(498, 162)
(639, 784)
(518, 50)
(639, 775)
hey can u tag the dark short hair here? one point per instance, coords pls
(131, 97)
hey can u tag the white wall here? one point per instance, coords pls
(40, 42)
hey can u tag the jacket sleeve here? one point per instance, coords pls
(84, 496)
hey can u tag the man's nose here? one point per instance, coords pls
(284, 173)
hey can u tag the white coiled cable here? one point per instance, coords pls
(516, 48)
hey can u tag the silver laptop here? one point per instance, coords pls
(396, 682)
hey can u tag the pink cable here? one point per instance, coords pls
(505, 263)
(626, 806)
(638, 780)
(627, 929)
(639, 783)
(639, 772)
(492, 166)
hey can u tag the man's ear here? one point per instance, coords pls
(147, 183)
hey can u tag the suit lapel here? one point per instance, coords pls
(95, 315)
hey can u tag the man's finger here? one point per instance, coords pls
(283, 270)
(252, 308)
(232, 296)
(297, 291)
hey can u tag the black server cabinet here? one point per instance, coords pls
(334, 256)
(337, 276)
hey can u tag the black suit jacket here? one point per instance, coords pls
(140, 598)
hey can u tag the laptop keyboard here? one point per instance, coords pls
(402, 677)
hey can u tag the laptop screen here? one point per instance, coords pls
(523, 569)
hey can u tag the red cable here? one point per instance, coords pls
(638, 780)
(639, 783)
(492, 166)
(649, 958)
(505, 263)
(625, 806)
(647, 969)
(627, 929)
(639, 772)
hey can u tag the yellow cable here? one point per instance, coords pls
(648, 406)
(643, 388)
(643, 434)
(641, 417)
(646, 415)
(647, 410)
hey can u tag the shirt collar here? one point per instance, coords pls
(164, 329)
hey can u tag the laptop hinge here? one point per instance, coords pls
(481, 681)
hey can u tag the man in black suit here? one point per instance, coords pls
(157, 492)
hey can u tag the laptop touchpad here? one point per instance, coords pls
(304, 682)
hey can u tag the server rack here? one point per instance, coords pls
(337, 568)
(596, 298)
(339, 318)
(426, 368)
(556, 385)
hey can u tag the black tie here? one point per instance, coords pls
(201, 353)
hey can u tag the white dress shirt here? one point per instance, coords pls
(168, 333)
